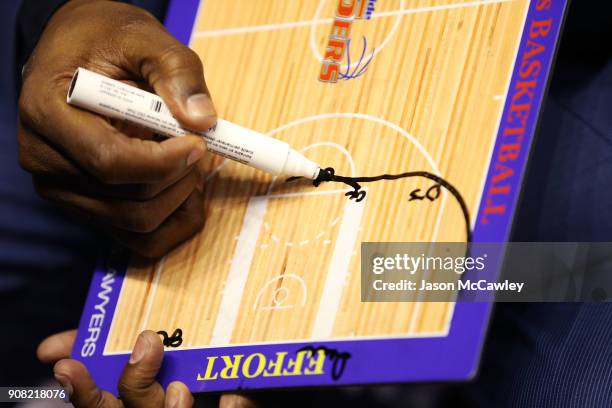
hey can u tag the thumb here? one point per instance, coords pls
(137, 384)
(176, 74)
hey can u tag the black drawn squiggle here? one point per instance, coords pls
(432, 194)
(172, 341)
(339, 359)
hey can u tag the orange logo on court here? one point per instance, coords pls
(339, 38)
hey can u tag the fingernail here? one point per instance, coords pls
(172, 398)
(194, 156)
(200, 106)
(141, 348)
(65, 383)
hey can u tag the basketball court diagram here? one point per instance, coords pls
(424, 86)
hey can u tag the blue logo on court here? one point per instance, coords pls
(360, 67)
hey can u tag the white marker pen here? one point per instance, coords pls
(115, 99)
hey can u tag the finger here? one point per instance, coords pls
(132, 130)
(84, 393)
(236, 401)
(56, 347)
(138, 216)
(137, 385)
(188, 220)
(37, 157)
(176, 74)
(178, 396)
(40, 159)
(104, 152)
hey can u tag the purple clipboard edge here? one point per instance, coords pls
(450, 358)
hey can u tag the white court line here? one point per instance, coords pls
(499, 97)
(307, 23)
(241, 266)
(154, 285)
(337, 146)
(363, 116)
(338, 270)
(222, 32)
(195, 21)
(245, 251)
(225, 324)
(403, 133)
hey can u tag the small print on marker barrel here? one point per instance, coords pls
(114, 99)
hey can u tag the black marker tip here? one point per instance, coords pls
(326, 174)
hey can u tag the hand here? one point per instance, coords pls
(145, 193)
(137, 385)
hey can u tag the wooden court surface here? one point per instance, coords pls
(279, 262)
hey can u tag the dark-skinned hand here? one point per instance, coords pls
(137, 385)
(145, 193)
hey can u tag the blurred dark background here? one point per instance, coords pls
(544, 355)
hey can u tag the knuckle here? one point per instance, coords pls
(177, 58)
(126, 388)
(98, 401)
